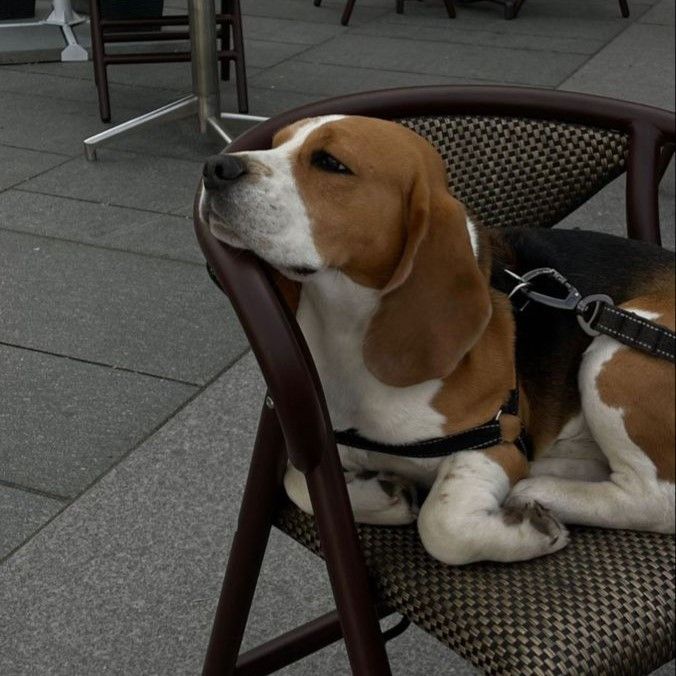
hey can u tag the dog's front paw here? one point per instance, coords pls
(548, 534)
(383, 498)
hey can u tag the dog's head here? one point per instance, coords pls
(369, 199)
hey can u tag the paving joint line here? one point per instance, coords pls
(445, 42)
(18, 188)
(457, 41)
(408, 72)
(92, 362)
(378, 70)
(32, 150)
(122, 458)
(633, 22)
(309, 47)
(35, 491)
(40, 173)
(103, 248)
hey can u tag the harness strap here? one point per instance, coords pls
(482, 436)
(634, 331)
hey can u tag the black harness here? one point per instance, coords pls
(596, 314)
(482, 436)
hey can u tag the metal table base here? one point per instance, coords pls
(205, 99)
(63, 18)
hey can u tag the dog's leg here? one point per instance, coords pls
(463, 520)
(583, 469)
(376, 497)
(621, 409)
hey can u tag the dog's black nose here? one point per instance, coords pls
(219, 170)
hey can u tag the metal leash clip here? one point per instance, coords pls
(586, 308)
(568, 302)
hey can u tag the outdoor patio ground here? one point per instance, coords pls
(128, 399)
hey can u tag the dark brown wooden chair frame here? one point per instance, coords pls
(295, 423)
(103, 31)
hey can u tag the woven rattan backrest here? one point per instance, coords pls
(517, 171)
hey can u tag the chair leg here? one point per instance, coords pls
(510, 10)
(643, 166)
(98, 56)
(666, 154)
(400, 6)
(347, 12)
(318, 3)
(240, 64)
(225, 42)
(450, 8)
(624, 8)
(346, 568)
(248, 547)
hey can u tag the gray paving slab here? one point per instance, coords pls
(23, 44)
(265, 53)
(65, 422)
(329, 12)
(124, 179)
(662, 13)
(606, 212)
(173, 76)
(636, 66)
(21, 514)
(56, 127)
(19, 164)
(280, 29)
(125, 310)
(179, 139)
(129, 574)
(447, 59)
(54, 85)
(99, 224)
(588, 19)
(330, 80)
(458, 32)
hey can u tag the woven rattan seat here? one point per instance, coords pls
(520, 171)
(605, 603)
(602, 605)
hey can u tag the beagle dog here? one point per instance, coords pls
(402, 300)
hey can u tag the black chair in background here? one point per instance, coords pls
(106, 31)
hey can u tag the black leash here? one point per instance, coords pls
(596, 314)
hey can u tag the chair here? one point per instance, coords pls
(104, 31)
(349, 6)
(603, 605)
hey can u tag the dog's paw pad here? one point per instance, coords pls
(399, 490)
(522, 512)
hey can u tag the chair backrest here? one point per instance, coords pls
(520, 171)
(514, 156)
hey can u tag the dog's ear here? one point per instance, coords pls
(289, 289)
(436, 304)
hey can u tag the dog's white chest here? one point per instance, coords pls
(334, 314)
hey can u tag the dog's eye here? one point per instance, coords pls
(327, 162)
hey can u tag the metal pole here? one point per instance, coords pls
(204, 62)
(206, 93)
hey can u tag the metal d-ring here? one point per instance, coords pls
(597, 300)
